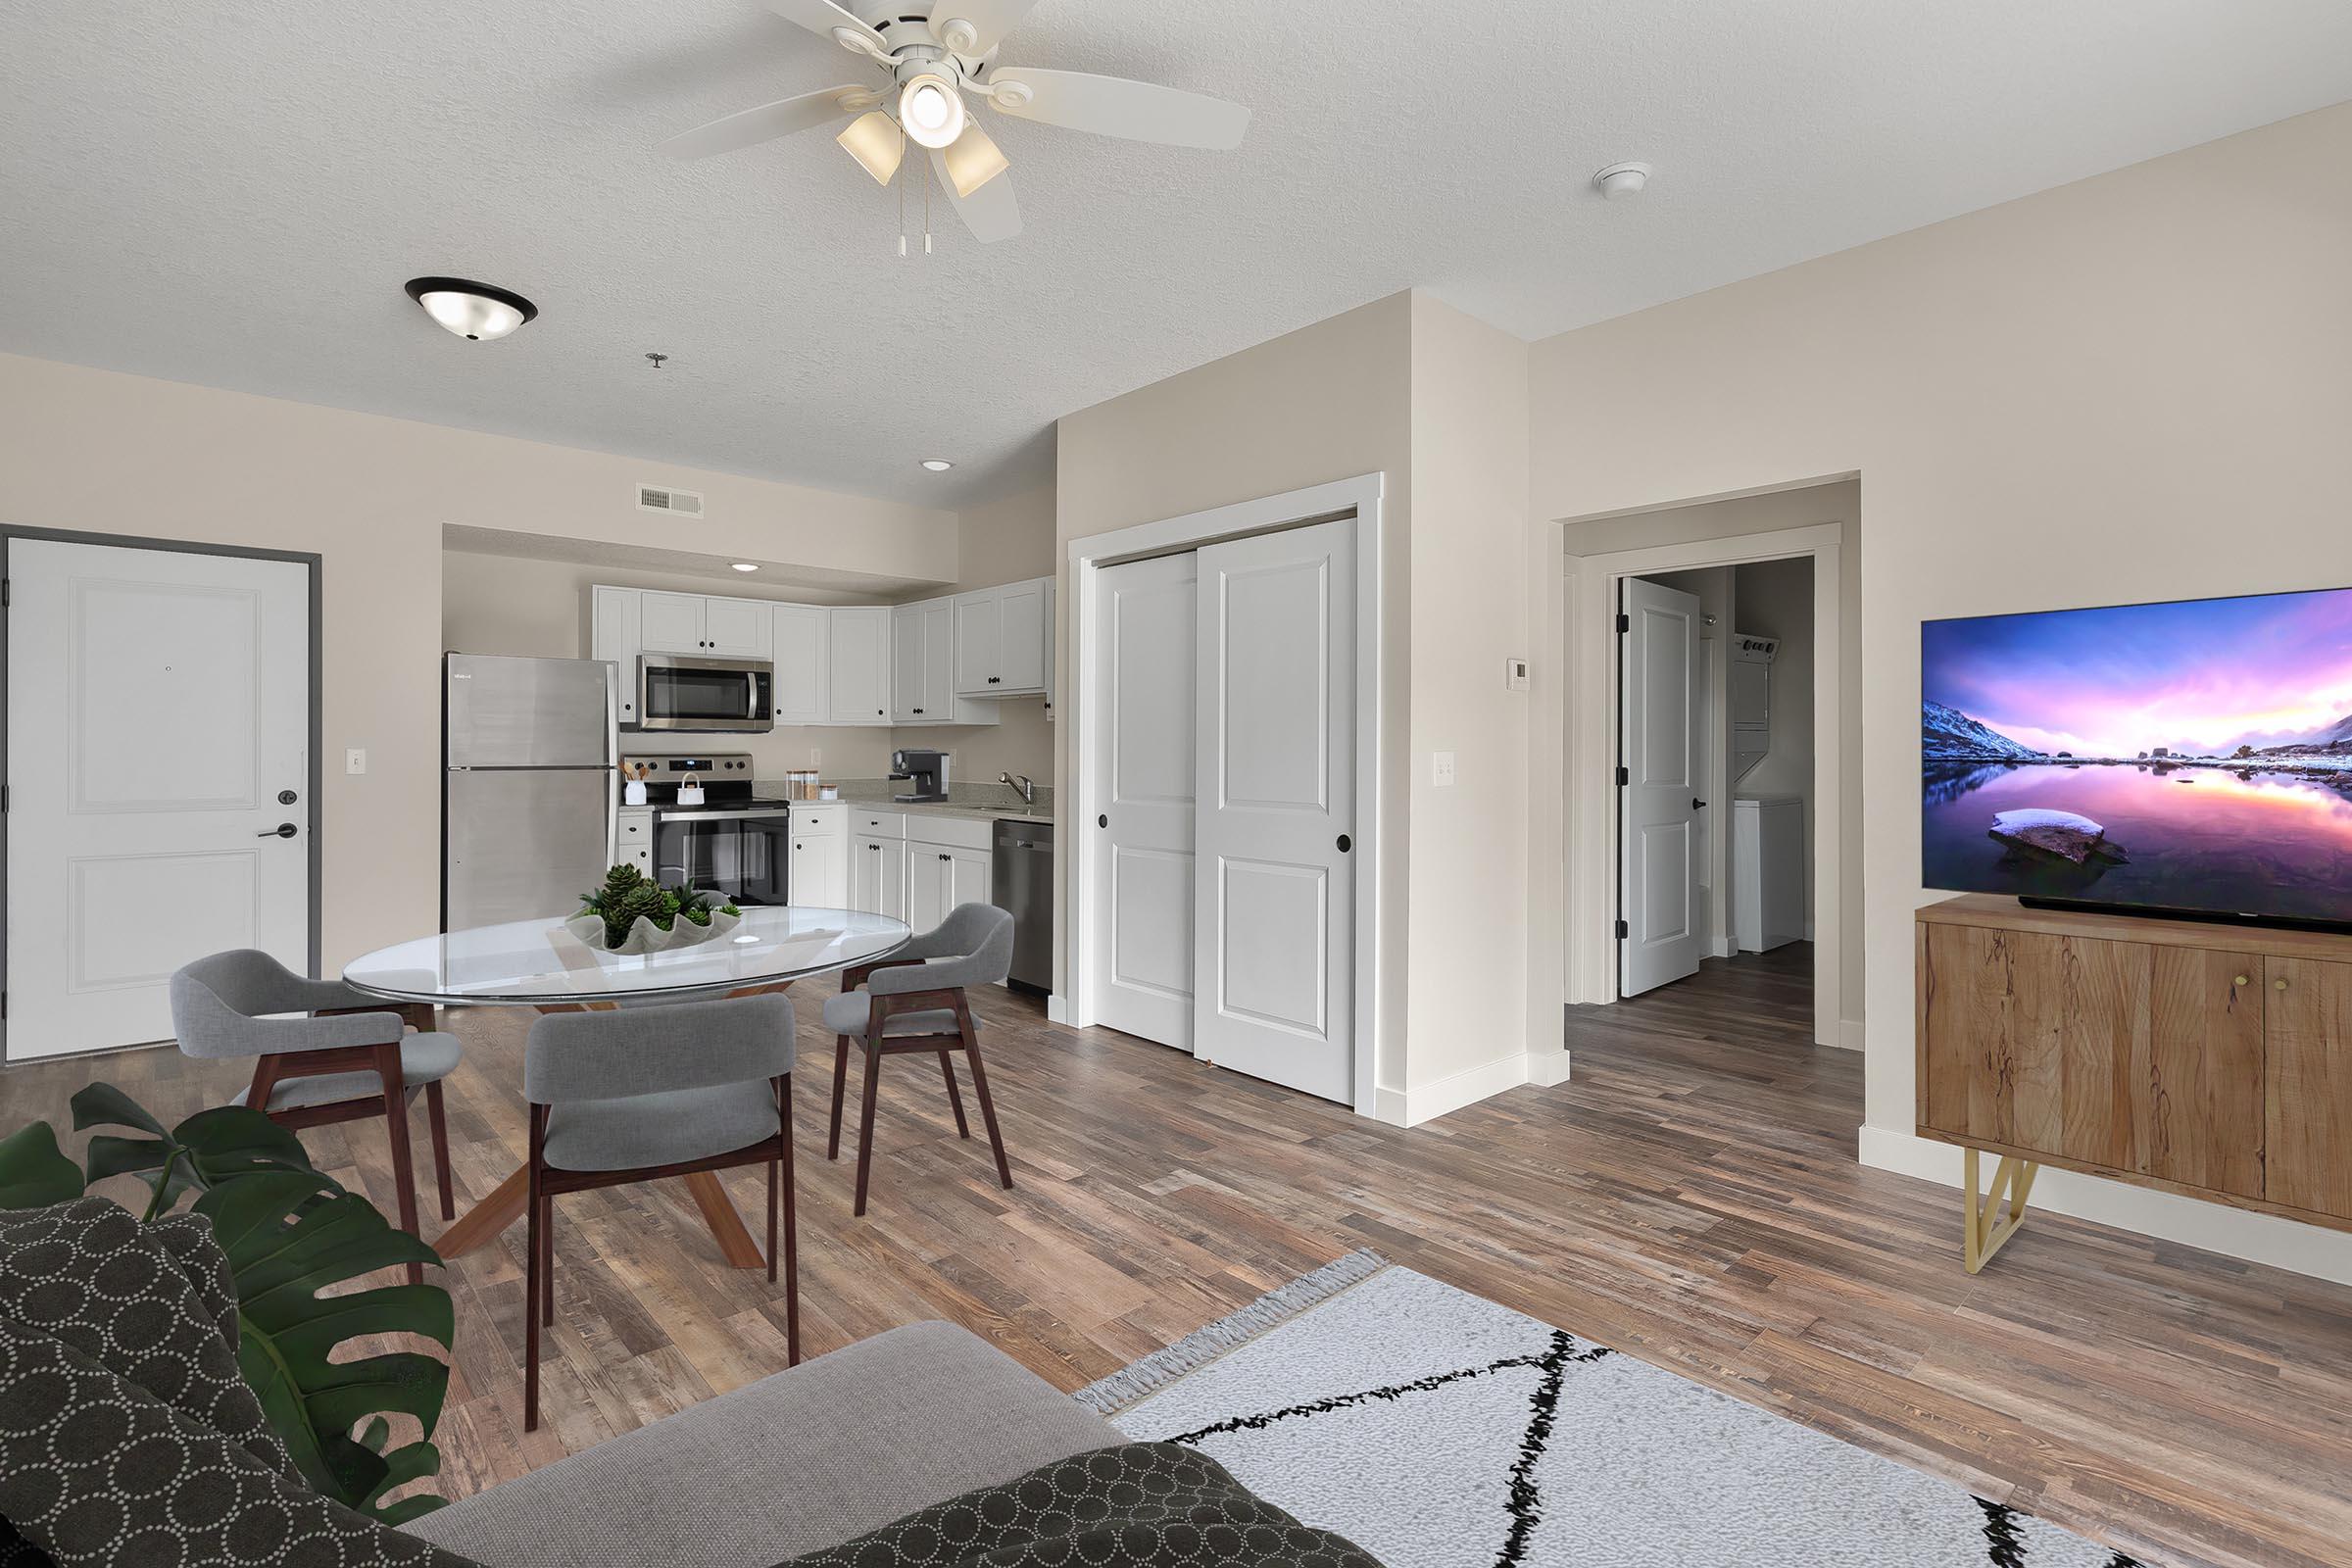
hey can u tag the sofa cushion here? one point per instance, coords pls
(833, 1448)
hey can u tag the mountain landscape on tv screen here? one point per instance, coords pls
(2192, 756)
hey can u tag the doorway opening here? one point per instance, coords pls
(1713, 797)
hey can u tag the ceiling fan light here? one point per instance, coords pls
(931, 108)
(874, 140)
(973, 161)
(481, 313)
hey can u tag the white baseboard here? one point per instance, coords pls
(1849, 1034)
(1547, 1068)
(1409, 1107)
(1056, 1010)
(2216, 1227)
(1725, 948)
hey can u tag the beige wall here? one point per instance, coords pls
(2134, 387)
(100, 451)
(1328, 401)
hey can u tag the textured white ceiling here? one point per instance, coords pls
(232, 191)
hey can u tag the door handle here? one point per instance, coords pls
(284, 830)
(1697, 805)
(1346, 843)
(1103, 821)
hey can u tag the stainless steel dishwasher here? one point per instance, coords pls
(1021, 879)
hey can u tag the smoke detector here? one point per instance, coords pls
(1621, 180)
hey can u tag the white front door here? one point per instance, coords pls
(1274, 956)
(1141, 945)
(158, 738)
(1663, 931)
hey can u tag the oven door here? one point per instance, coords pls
(736, 696)
(745, 854)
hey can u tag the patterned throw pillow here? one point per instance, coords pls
(1136, 1506)
(127, 1433)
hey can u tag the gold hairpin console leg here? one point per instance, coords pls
(1986, 1228)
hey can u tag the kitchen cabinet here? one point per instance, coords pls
(939, 878)
(802, 636)
(1004, 639)
(633, 838)
(858, 676)
(923, 667)
(613, 636)
(701, 625)
(820, 855)
(878, 875)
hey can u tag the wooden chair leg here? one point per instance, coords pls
(841, 1079)
(988, 1108)
(533, 1282)
(791, 1237)
(865, 1120)
(547, 1261)
(396, 1124)
(439, 1118)
(947, 1068)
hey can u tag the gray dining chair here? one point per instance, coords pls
(343, 1056)
(637, 1094)
(914, 1000)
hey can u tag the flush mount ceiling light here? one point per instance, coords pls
(937, 465)
(742, 565)
(480, 313)
(938, 58)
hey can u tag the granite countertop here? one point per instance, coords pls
(968, 810)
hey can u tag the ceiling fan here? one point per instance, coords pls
(934, 64)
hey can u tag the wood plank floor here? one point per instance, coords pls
(1690, 1197)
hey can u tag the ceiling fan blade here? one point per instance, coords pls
(767, 122)
(989, 21)
(1112, 106)
(990, 212)
(821, 17)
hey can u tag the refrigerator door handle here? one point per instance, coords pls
(611, 764)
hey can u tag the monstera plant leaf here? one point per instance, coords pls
(290, 1235)
(33, 1172)
(199, 1153)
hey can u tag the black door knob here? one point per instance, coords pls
(1697, 805)
(284, 830)
(1346, 843)
(285, 796)
(1101, 822)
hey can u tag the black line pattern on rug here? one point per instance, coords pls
(2006, 1544)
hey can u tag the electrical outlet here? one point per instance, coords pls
(1441, 767)
(355, 759)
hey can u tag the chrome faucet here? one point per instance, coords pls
(1020, 782)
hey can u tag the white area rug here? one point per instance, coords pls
(1437, 1430)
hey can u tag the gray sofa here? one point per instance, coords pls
(805, 1459)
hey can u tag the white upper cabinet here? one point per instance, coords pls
(613, 636)
(1004, 639)
(923, 674)
(739, 629)
(802, 642)
(670, 623)
(697, 623)
(857, 679)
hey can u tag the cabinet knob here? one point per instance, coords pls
(2240, 980)
(2279, 984)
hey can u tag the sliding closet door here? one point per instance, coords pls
(1274, 870)
(1141, 944)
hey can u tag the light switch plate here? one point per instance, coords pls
(1514, 674)
(355, 759)
(1441, 767)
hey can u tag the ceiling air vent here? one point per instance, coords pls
(682, 503)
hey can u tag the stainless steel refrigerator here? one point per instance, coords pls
(529, 786)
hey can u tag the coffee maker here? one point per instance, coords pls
(927, 772)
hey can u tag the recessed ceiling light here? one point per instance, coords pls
(744, 566)
(480, 313)
(937, 465)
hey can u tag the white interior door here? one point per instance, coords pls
(157, 706)
(1663, 935)
(1140, 943)
(1274, 954)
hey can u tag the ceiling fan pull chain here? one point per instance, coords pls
(926, 163)
(902, 184)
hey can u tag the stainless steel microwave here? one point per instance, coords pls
(736, 696)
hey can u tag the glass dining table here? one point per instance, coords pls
(542, 965)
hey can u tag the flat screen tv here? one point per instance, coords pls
(2191, 758)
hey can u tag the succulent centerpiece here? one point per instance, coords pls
(632, 913)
